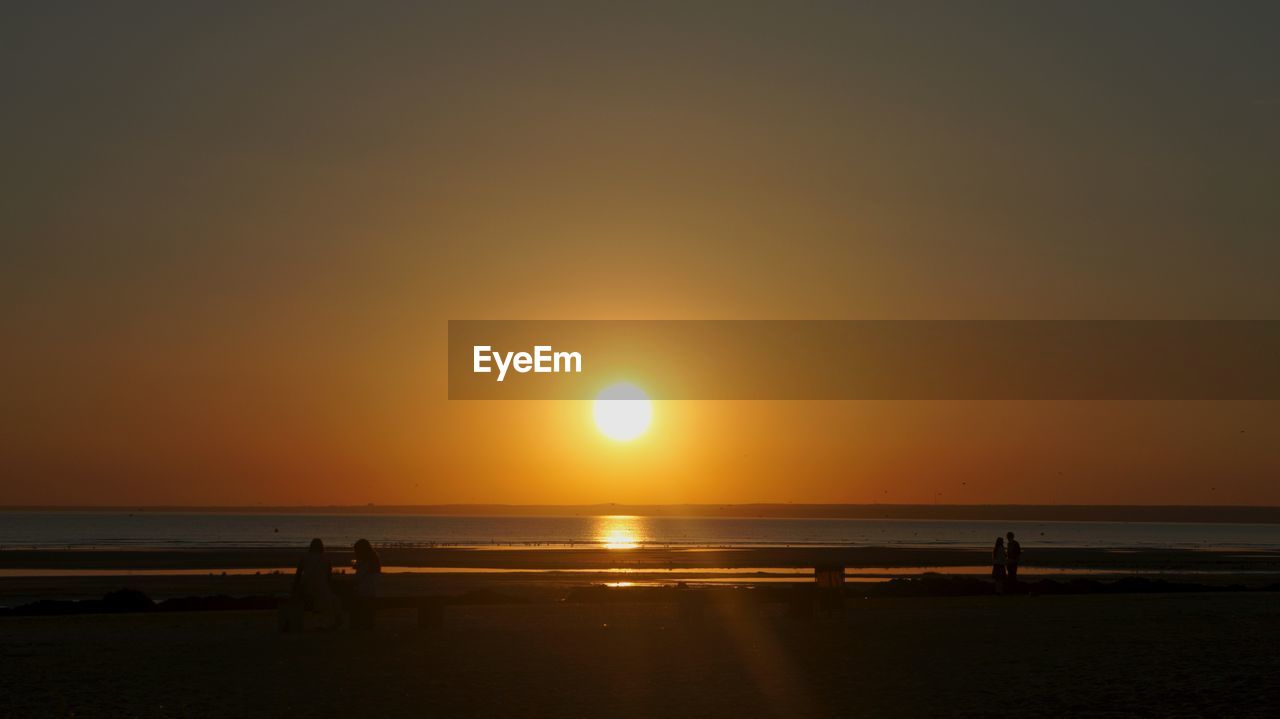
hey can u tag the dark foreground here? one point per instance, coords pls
(1154, 655)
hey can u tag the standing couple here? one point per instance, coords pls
(1004, 563)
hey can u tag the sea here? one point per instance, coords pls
(177, 530)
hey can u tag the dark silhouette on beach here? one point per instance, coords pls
(998, 560)
(1014, 554)
(368, 568)
(311, 583)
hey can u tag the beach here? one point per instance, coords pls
(617, 627)
(656, 558)
(28, 575)
(601, 632)
(1152, 655)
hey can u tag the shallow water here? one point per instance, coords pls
(657, 577)
(49, 530)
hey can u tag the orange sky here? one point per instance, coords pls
(233, 237)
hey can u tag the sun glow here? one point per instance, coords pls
(623, 411)
(619, 532)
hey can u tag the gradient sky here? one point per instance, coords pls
(233, 233)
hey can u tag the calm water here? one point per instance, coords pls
(153, 530)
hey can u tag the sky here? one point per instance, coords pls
(232, 235)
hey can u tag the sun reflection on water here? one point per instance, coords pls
(620, 532)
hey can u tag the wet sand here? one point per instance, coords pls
(534, 654)
(551, 586)
(646, 557)
(548, 573)
(1153, 655)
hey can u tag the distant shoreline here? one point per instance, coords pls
(970, 512)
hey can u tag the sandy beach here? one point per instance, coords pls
(645, 557)
(595, 632)
(1162, 655)
(549, 574)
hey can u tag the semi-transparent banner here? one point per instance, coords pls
(883, 360)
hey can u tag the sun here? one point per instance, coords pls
(623, 411)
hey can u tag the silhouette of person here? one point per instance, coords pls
(1015, 554)
(997, 564)
(311, 582)
(368, 569)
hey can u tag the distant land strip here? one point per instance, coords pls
(1001, 512)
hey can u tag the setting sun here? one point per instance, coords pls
(623, 411)
(725, 359)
